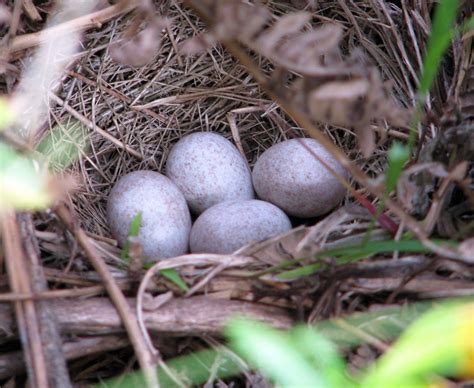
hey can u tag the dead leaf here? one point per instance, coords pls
(197, 45)
(365, 139)
(238, 20)
(339, 102)
(309, 46)
(141, 48)
(286, 26)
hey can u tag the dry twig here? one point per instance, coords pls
(145, 358)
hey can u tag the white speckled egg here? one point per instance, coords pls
(166, 222)
(228, 226)
(208, 169)
(289, 176)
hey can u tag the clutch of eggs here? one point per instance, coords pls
(207, 174)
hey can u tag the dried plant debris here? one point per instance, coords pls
(140, 45)
(332, 65)
(333, 89)
(450, 148)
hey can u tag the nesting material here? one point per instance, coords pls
(289, 176)
(166, 221)
(228, 226)
(209, 169)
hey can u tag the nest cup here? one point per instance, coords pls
(148, 109)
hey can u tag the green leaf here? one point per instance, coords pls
(172, 275)
(346, 332)
(194, 369)
(357, 252)
(23, 182)
(440, 342)
(274, 354)
(398, 155)
(133, 231)
(442, 33)
(367, 327)
(6, 115)
(322, 355)
(438, 42)
(63, 145)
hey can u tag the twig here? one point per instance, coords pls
(222, 261)
(56, 294)
(158, 116)
(31, 10)
(56, 368)
(236, 133)
(24, 310)
(94, 19)
(144, 356)
(180, 317)
(12, 364)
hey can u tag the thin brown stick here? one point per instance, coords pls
(158, 116)
(31, 10)
(24, 310)
(95, 19)
(56, 294)
(144, 356)
(12, 364)
(51, 341)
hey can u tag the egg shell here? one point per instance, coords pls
(209, 169)
(289, 176)
(228, 226)
(166, 221)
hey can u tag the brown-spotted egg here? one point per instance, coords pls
(289, 176)
(208, 169)
(166, 221)
(227, 226)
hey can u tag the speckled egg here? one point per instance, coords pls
(166, 221)
(289, 176)
(228, 226)
(208, 169)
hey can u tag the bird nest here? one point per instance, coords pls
(130, 117)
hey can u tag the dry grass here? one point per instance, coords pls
(198, 95)
(147, 109)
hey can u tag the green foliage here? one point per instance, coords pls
(23, 183)
(193, 369)
(353, 253)
(369, 327)
(63, 145)
(439, 343)
(172, 275)
(398, 155)
(438, 42)
(6, 115)
(133, 231)
(439, 340)
(275, 355)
